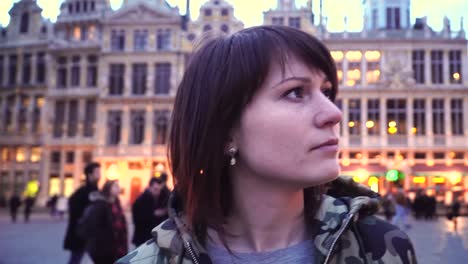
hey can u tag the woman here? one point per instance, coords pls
(253, 141)
(103, 225)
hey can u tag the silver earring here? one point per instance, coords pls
(232, 154)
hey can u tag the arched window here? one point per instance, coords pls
(161, 122)
(24, 23)
(138, 126)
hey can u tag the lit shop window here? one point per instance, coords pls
(373, 66)
(354, 67)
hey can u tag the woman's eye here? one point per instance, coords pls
(295, 93)
(327, 92)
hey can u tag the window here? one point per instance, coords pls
(419, 117)
(75, 71)
(375, 17)
(140, 40)
(18, 182)
(87, 157)
(76, 33)
(24, 23)
(224, 28)
(22, 114)
(70, 8)
(92, 71)
(72, 118)
(12, 70)
(139, 71)
(436, 66)
(118, 40)
(116, 79)
(373, 66)
(438, 127)
(90, 118)
(55, 157)
(393, 18)
(85, 6)
(8, 113)
(224, 12)
(26, 78)
(70, 157)
(338, 58)
(163, 39)
(77, 7)
(59, 118)
(162, 78)
(295, 22)
(396, 116)
(36, 118)
(36, 154)
(92, 5)
(40, 68)
(277, 21)
(1, 69)
(161, 122)
(418, 66)
(455, 68)
(61, 72)
(114, 126)
(207, 12)
(84, 32)
(137, 121)
(354, 117)
(354, 67)
(373, 122)
(439, 155)
(206, 28)
(456, 108)
(420, 155)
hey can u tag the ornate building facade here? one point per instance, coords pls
(100, 84)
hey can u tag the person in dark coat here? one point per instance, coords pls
(14, 204)
(103, 226)
(150, 209)
(77, 203)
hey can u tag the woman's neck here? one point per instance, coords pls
(265, 215)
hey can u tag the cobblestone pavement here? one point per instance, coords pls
(40, 241)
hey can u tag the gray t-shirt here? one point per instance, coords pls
(302, 253)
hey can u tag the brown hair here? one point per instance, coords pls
(219, 82)
(106, 188)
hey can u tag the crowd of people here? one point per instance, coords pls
(97, 224)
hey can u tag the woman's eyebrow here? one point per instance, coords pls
(294, 78)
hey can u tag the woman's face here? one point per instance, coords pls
(115, 189)
(288, 132)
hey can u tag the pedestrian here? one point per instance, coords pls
(77, 203)
(62, 206)
(402, 210)
(388, 206)
(454, 211)
(150, 209)
(254, 137)
(28, 205)
(103, 225)
(52, 205)
(14, 204)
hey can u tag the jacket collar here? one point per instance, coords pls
(344, 203)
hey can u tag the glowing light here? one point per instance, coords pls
(414, 130)
(454, 177)
(350, 82)
(452, 154)
(419, 179)
(354, 56)
(358, 156)
(361, 175)
(430, 163)
(112, 172)
(392, 130)
(392, 175)
(372, 55)
(370, 124)
(351, 124)
(456, 76)
(392, 124)
(337, 55)
(201, 171)
(438, 180)
(345, 162)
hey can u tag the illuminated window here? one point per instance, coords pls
(354, 67)
(456, 114)
(92, 32)
(373, 66)
(396, 116)
(77, 32)
(21, 154)
(36, 154)
(354, 117)
(419, 117)
(338, 57)
(373, 119)
(455, 68)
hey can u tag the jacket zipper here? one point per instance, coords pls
(192, 254)
(340, 233)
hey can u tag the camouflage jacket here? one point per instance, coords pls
(347, 232)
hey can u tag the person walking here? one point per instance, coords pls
(14, 204)
(402, 210)
(77, 203)
(150, 209)
(62, 206)
(103, 226)
(52, 205)
(455, 211)
(28, 205)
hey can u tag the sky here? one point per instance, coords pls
(335, 10)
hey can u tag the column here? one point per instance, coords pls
(447, 121)
(15, 112)
(33, 68)
(19, 68)
(125, 126)
(464, 73)
(149, 117)
(427, 67)
(44, 176)
(383, 121)
(128, 79)
(430, 136)
(364, 118)
(83, 70)
(29, 114)
(363, 69)
(445, 67)
(101, 125)
(77, 168)
(3, 103)
(61, 171)
(150, 79)
(4, 70)
(81, 116)
(345, 69)
(409, 121)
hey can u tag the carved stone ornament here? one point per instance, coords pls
(396, 74)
